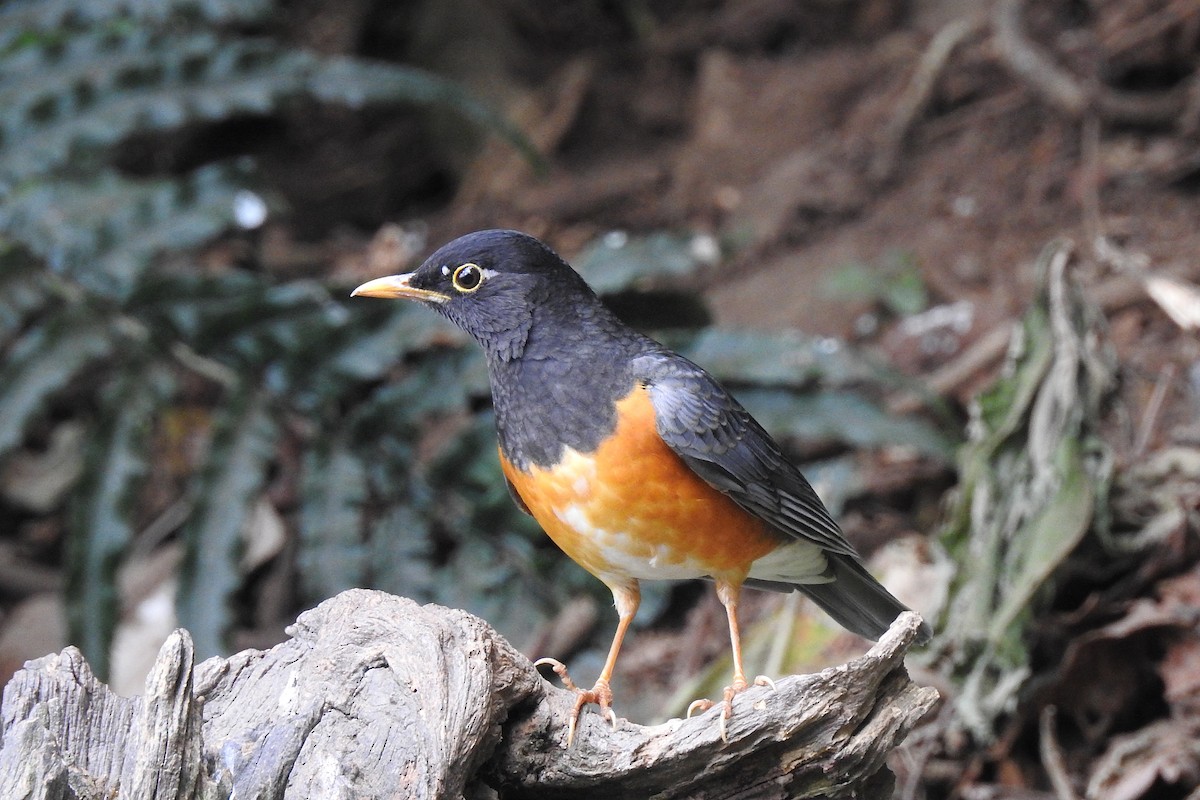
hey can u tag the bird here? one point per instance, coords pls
(635, 461)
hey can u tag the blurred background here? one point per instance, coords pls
(946, 251)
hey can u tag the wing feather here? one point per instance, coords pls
(723, 444)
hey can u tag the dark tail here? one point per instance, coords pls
(857, 601)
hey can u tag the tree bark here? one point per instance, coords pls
(376, 696)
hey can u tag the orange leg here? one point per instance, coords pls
(626, 597)
(728, 593)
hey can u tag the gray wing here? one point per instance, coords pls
(723, 444)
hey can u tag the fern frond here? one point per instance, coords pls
(333, 489)
(104, 503)
(23, 288)
(94, 261)
(834, 415)
(63, 105)
(43, 361)
(100, 89)
(380, 339)
(402, 554)
(242, 447)
(244, 320)
(34, 22)
(357, 83)
(106, 231)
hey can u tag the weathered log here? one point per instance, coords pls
(376, 696)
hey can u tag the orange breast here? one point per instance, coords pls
(633, 509)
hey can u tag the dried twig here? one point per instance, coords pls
(1153, 408)
(1065, 91)
(1052, 756)
(983, 353)
(1127, 37)
(916, 96)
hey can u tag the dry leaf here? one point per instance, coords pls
(1165, 751)
(1180, 299)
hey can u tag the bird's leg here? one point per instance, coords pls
(728, 593)
(626, 597)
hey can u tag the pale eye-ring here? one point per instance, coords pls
(467, 277)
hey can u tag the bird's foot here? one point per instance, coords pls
(738, 686)
(600, 694)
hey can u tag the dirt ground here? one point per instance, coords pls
(813, 141)
(855, 133)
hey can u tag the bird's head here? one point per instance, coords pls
(492, 284)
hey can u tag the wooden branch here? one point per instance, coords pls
(376, 696)
(1063, 90)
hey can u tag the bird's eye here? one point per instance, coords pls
(467, 277)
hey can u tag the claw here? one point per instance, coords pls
(701, 705)
(738, 686)
(573, 722)
(611, 716)
(600, 694)
(560, 669)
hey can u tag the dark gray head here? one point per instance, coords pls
(494, 284)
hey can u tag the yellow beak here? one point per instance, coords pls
(394, 286)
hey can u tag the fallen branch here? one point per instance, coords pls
(380, 697)
(1061, 89)
(916, 97)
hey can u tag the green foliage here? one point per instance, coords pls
(42, 361)
(34, 22)
(894, 284)
(242, 448)
(101, 308)
(846, 416)
(76, 83)
(615, 262)
(1034, 479)
(333, 555)
(103, 505)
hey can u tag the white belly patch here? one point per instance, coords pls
(628, 557)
